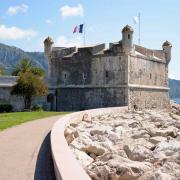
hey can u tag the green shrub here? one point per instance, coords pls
(6, 108)
(37, 108)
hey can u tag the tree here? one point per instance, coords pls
(26, 65)
(2, 70)
(30, 82)
(29, 85)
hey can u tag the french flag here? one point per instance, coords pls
(78, 29)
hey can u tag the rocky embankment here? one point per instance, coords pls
(142, 145)
(175, 108)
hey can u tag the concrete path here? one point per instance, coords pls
(25, 151)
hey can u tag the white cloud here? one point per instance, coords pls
(13, 10)
(67, 11)
(136, 19)
(62, 41)
(48, 21)
(14, 33)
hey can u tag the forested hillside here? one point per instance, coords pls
(10, 56)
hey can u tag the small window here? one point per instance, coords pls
(65, 76)
(83, 77)
(107, 74)
(129, 36)
(150, 76)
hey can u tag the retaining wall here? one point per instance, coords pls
(66, 166)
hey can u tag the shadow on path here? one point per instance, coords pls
(44, 165)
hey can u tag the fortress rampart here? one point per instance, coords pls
(125, 74)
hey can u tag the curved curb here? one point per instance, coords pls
(66, 166)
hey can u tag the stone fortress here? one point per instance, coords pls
(125, 74)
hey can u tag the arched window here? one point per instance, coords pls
(129, 36)
(107, 74)
(65, 75)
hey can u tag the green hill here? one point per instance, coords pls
(174, 88)
(10, 56)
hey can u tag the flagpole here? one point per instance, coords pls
(139, 39)
(84, 35)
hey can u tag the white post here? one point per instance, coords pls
(139, 39)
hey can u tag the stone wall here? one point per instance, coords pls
(8, 80)
(92, 81)
(17, 101)
(87, 80)
(147, 72)
(85, 75)
(148, 81)
(84, 68)
(109, 70)
(72, 99)
(61, 153)
(75, 70)
(148, 98)
(6, 83)
(7, 98)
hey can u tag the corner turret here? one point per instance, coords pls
(127, 39)
(167, 50)
(48, 42)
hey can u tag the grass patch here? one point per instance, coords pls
(12, 119)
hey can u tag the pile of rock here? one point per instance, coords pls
(142, 145)
(175, 108)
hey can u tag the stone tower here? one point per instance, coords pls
(51, 98)
(127, 39)
(48, 42)
(167, 50)
(125, 74)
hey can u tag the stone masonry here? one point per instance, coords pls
(6, 84)
(125, 74)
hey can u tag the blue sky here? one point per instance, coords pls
(25, 23)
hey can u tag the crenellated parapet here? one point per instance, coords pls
(167, 46)
(62, 52)
(151, 54)
(92, 50)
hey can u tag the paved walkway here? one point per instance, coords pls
(25, 151)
